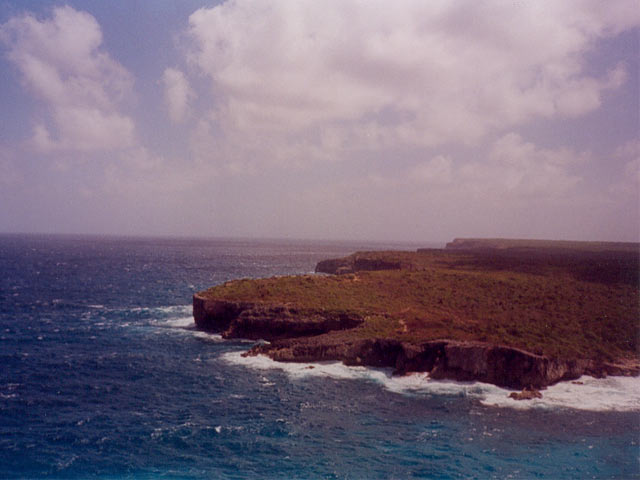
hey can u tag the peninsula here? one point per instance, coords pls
(521, 314)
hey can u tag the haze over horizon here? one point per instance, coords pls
(358, 120)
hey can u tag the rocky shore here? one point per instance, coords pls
(298, 335)
(267, 321)
(362, 315)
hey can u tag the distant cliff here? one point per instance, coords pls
(540, 245)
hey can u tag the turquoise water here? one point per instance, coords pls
(103, 376)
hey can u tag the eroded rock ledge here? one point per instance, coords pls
(267, 321)
(304, 335)
(442, 359)
(473, 311)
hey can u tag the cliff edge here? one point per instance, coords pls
(517, 321)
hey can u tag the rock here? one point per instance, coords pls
(308, 335)
(271, 322)
(443, 359)
(268, 322)
(216, 315)
(527, 393)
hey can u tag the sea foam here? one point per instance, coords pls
(587, 393)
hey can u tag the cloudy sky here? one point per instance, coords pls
(337, 119)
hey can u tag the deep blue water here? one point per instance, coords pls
(102, 376)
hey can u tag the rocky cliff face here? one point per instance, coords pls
(502, 366)
(268, 322)
(300, 335)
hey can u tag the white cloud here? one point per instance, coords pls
(629, 185)
(438, 170)
(177, 94)
(522, 167)
(140, 174)
(63, 65)
(513, 168)
(373, 74)
(9, 174)
(629, 150)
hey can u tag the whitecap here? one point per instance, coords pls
(180, 322)
(210, 337)
(588, 393)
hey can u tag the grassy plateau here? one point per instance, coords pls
(560, 299)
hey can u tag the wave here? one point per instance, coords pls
(209, 337)
(587, 393)
(179, 322)
(166, 310)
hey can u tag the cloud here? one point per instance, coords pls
(9, 173)
(438, 170)
(629, 150)
(141, 175)
(63, 65)
(328, 78)
(177, 94)
(512, 168)
(629, 185)
(522, 167)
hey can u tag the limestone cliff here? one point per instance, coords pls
(442, 359)
(305, 335)
(267, 321)
(508, 312)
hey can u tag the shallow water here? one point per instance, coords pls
(103, 376)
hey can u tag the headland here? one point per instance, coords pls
(521, 314)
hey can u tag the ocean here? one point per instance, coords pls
(103, 375)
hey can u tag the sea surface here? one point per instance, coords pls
(102, 375)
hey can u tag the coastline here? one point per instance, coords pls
(587, 393)
(297, 337)
(358, 313)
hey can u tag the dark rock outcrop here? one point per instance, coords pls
(443, 359)
(216, 315)
(299, 335)
(268, 322)
(274, 322)
(527, 393)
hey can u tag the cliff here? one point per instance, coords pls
(442, 359)
(309, 336)
(500, 317)
(267, 321)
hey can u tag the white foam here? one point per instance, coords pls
(301, 370)
(181, 322)
(592, 394)
(178, 309)
(210, 337)
(182, 309)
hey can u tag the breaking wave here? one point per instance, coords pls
(587, 393)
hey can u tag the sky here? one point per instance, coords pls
(343, 119)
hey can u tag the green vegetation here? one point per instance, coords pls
(578, 305)
(511, 243)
